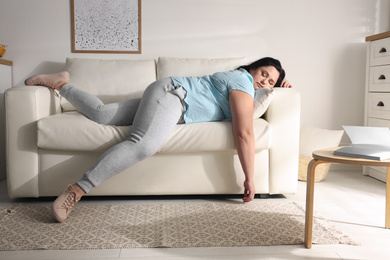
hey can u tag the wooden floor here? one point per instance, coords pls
(355, 204)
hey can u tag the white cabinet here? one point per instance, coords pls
(377, 95)
(5, 83)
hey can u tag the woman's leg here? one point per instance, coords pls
(119, 114)
(161, 108)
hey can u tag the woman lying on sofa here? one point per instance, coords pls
(165, 103)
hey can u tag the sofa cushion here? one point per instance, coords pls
(110, 80)
(263, 98)
(72, 131)
(191, 67)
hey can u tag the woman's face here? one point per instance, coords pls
(264, 77)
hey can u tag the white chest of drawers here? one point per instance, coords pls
(377, 94)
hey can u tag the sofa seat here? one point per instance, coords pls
(72, 131)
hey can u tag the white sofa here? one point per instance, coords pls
(49, 145)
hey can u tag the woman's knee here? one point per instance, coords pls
(143, 148)
(98, 116)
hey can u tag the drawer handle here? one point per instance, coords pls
(380, 104)
(382, 77)
(383, 50)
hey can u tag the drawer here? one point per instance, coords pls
(379, 105)
(379, 79)
(378, 122)
(380, 52)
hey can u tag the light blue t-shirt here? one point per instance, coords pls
(207, 97)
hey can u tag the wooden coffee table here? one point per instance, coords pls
(327, 156)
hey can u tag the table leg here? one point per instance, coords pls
(387, 214)
(310, 201)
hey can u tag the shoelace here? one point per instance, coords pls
(55, 93)
(70, 201)
(49, 87)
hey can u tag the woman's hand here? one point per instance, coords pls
(285, 84)
(249, 191)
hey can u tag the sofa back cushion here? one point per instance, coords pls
(192, 67)
(110, 80)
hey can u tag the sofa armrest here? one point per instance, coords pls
(23, 107)
(283, 115)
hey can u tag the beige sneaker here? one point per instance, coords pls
(64, 204)
(53, 81)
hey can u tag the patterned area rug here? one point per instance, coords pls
(166, 225)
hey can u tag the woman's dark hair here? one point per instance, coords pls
(268, 61)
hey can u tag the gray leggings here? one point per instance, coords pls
(152, 118)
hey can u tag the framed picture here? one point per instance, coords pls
(106, 26)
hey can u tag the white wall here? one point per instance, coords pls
(320, 43)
